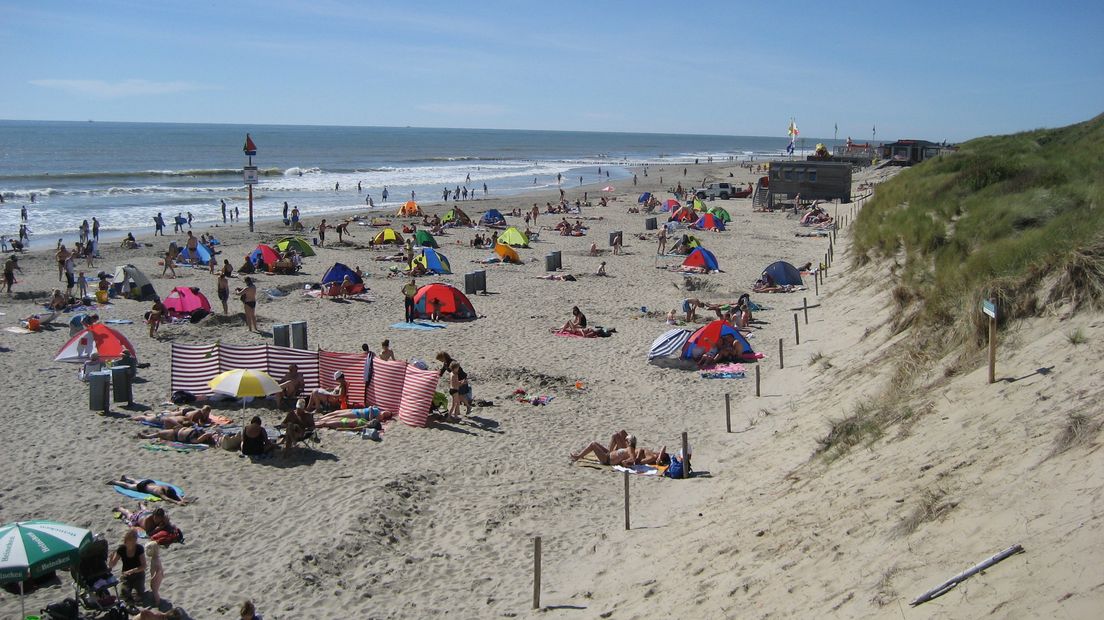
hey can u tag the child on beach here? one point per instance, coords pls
(156, 571)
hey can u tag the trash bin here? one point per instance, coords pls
(558, 256)
(650, 224)
(470, 284)
(549, 262)
(121, 391)
(299, 335)
(481, 280)
(281, 335)
(99, 384)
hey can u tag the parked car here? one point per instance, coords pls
(724, 191)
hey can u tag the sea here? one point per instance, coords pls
(125, 173)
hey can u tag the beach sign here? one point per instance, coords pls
(989, 308)
(249, 173)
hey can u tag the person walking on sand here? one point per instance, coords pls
(248, 297)
(223, 288)
(158, 225)
(662, 236)
(409, 291)
(10, 267)
(168, 260)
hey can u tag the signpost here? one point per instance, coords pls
(990, 310)
(249, 174)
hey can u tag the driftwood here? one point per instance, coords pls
(947, 585)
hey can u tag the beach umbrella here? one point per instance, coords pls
(669, 344)
(30, 549)
(244, 382)
(608, 188)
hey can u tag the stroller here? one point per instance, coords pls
(97, 588)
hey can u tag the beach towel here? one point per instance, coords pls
(564, 334)
(724, 371)
(117, 322)
(641, 470)
(173, 446)
(18, 330)
(419, 326)
(146, 496)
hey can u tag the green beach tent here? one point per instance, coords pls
(298, 244)
(721, 214)
(424, 239)
(514, 237)
(699, 205)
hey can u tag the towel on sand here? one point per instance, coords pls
(146, 496)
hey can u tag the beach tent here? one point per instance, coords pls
(336, 275)
(454, 304)
(203, 255)
(672, 205)
(782, 273)
(669, 346)
(683, 214)
(140, 286)
(708, 221)
(721, 214)
(513, 236)
(433, 261)
(692, 242)
(644, 197)
(298, 244)
(265, 253)
(456, 216)
(507, 253)
(98, 338)
(493, 217)
(703, 258)
(707, 337)
(424, 239)
(699, 205)
(183, 301)
(409, 209)
(387, 235)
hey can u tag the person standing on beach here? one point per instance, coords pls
(95, 230)
(158, 225)
(385, 193)
(409, 291)
(24, 236)
(337, 186)
(222, 203)
(168, 264)
(634, 179)
(484, 189)
(237, 214)
(358, 187)
(222, 285)
(662, 249)
(322, 233)
(23, 213)
(193, 248)
(10, 267)
(189, 220)
(285, 212)
(412, 194)
(248, 297)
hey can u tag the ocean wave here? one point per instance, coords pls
(192, 172)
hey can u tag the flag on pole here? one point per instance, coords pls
(249, 148)
(793, 135)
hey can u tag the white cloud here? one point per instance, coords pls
(103, 89)
(463, 109)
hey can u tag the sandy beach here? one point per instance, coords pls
(440, 521)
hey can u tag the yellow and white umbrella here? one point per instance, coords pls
(244, 382)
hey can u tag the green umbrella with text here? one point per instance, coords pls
(30, 549)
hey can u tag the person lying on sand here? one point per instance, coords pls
(149, 613)
(621, 450)
(353, 419)
(146, 485)
(567, 277)
(149, 521)
(171, 419)
(186, 433)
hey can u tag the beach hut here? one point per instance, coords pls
(409, 209)
(507, 253)
(783, 273)
(433, 261)
(336, 275)
(98, 338)
(182, 301)
(130, 278)
(203, 255)
(708, 221)
(424, 239)
(456, 217)
(265, 253)
(514, 237)
(702, 258)
(298, 244)
(707, 337)
(721, 214)
(387, 236)
(454, 305)
(493, 217)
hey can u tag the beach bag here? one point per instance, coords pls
(168, 536)
(67, 609)
(182, 397)
(198, 315)
(675, 469)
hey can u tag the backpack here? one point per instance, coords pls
(182, 397)
(675, 469)
(67, 609)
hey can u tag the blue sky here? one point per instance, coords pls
(935, 70)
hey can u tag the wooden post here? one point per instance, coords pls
(816, 283)
(758, 391)
(685, 455)
(805, 308)
(627, 501)
(992, 350)
(797, 331)
(536, 571)
(825, 262)
(728, 409)
(781, 358)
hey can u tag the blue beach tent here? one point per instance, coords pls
(493, 217)
(644, 197)
(337, 273)
(433, 261)
(702, 257)
(782, 273)
(203, 255)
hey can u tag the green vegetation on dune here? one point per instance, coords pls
(1019, 218)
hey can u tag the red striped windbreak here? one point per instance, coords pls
(403, 389)
(193, 365)
(352, 364)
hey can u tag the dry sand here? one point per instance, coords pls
(440, 521)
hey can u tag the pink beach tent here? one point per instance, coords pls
(183, 301)
(98, 338)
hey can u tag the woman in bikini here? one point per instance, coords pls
(621, 450)
(146, 485)
(248, 297)
(149, 521)
(353, 419)
(332, 397)
(188, 415)
(182, 434)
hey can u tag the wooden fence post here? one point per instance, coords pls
(536, 571)
(627, 501)
(757, 387)
(797, 331)
(805, 308)
(728, 409)
(685, 455)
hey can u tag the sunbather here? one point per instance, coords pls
(351, 419)
(146, 485)
(171, 419)
(330, 398)
(621, 450)
(255, 441)
(298, 424)
(149, 521)
(290, 385)
(185, 433)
